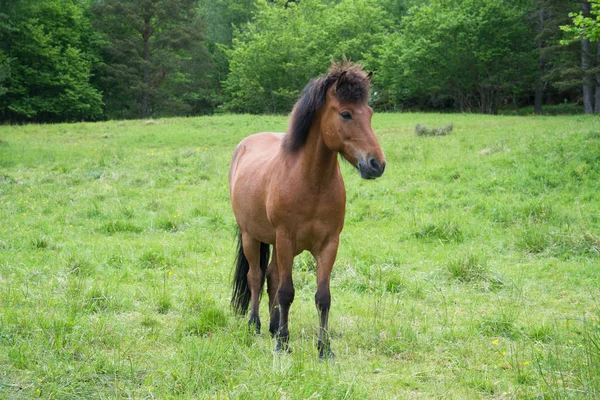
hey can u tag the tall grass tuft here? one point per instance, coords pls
(118, 226)
(534, 239)
(468, 267)
(445, 232)
(208, 321)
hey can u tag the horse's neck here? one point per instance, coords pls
(318, 164)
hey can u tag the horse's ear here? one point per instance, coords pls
(340, 81)
(370, 76)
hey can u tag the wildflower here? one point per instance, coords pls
(570, 342)
(496, 341)
(525, 362)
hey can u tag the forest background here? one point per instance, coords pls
(73, 60)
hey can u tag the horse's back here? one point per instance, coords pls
(254, 152)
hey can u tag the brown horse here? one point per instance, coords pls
(287, 191)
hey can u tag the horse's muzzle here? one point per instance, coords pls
(370, 168)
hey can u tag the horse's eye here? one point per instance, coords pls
(346, 115)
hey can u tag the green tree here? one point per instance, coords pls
(586, 58)
(453, 55)
(546, 17)
(555, 62)
(585, 27)
(46, 57)
(586, 23)
(289, 43)
(155, 58)
(4, 72)
(226, 17)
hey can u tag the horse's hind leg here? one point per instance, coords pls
(272, 286)
(325, 260)
(255, 278)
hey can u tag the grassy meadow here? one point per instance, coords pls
(471, 269)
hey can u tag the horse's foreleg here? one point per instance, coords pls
(285, 292)
(325, 260)
(255, 278)
(272, 287)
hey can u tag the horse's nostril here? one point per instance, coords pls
(373, 163)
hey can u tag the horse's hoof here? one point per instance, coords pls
(282, 347)
(326, 355)
(254, 326)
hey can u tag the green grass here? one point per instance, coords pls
(469, 270)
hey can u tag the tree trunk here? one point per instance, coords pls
(146, 68)
(588, 83)
(597, 97)
(539, 84)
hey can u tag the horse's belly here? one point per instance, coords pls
(252, 218)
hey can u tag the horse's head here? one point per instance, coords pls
(346, 124)
(339, 101)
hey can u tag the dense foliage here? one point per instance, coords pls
(287, 45)
(587, 22)
(64, 60)
(47, 55)
(155, 58)
(454, 55)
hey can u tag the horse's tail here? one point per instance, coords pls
(240, 298)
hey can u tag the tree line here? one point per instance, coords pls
(70, 60)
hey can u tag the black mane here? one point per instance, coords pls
(352, 87)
